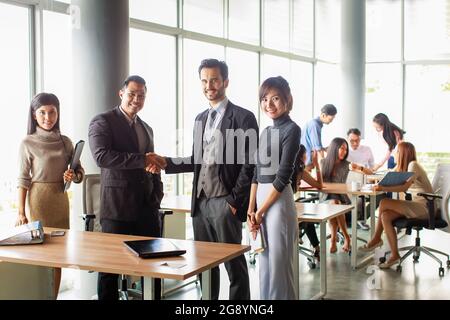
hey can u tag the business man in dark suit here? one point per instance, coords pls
(223, 171)
(130, 197)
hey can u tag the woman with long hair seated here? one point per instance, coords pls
(302, 173)
(335, 168)
(391, 209)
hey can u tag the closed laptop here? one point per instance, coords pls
(154, 248)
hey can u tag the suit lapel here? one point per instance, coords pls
(226, 123)
(126, 128)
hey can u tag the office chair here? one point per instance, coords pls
(91, 208)
(304, 251)
(438, 217)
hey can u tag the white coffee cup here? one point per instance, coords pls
(356, 186)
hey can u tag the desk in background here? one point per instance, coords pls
(321, 213)
(342, 188)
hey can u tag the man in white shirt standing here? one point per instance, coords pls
(361, 157)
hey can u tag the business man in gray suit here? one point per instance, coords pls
(130, 197)
(221, 188)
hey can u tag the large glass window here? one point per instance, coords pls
(383, 94)
(157, 67)
(383, 30)
(427, 101)
(328, 30)
(15, 81)
(163, 12)
(243, 22)
(301, 88)
(243, 74)
(427, 29)
(303, 27)
(58, 65)
(204, 16)
(276, 24)
(327, 83)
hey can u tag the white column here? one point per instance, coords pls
(353, 58)
(100, 50)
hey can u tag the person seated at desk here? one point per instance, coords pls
(303, 173)
(391, 209)
(335, 168)
(361, 158)
(359, 155)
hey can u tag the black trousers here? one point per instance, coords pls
(310, 231)
(214, 222)
(148, 224)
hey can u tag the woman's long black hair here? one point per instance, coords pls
(389, 129)
(333, 156)
(39, 100)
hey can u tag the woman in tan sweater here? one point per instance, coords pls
(391, 209)
(44, 156)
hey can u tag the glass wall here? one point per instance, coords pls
(158, 68)
(406, 68)
(15, 80)
(57, 43)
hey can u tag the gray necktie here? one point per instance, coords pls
(212, 115)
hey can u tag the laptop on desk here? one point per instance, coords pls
(154, 248)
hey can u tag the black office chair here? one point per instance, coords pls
(437, 211)
(91, 208)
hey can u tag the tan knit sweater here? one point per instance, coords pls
(44, 157)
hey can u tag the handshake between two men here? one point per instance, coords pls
(154, 163)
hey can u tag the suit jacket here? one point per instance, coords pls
(126, 188)
(235, 175)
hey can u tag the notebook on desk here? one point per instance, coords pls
(154, 248)
(30, 233)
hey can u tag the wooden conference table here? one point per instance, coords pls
(106, 253)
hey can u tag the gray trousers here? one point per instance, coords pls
(213, 221)
(277, 261)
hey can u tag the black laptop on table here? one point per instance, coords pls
(154, 248)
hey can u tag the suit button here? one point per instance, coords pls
(203, 182)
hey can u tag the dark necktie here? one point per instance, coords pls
(213, 115)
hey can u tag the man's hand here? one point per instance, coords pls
(233, 209)
(154, 163)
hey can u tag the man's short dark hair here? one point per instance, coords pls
(329, 110)
(354, 131)
(214, 63)
(134, 78)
